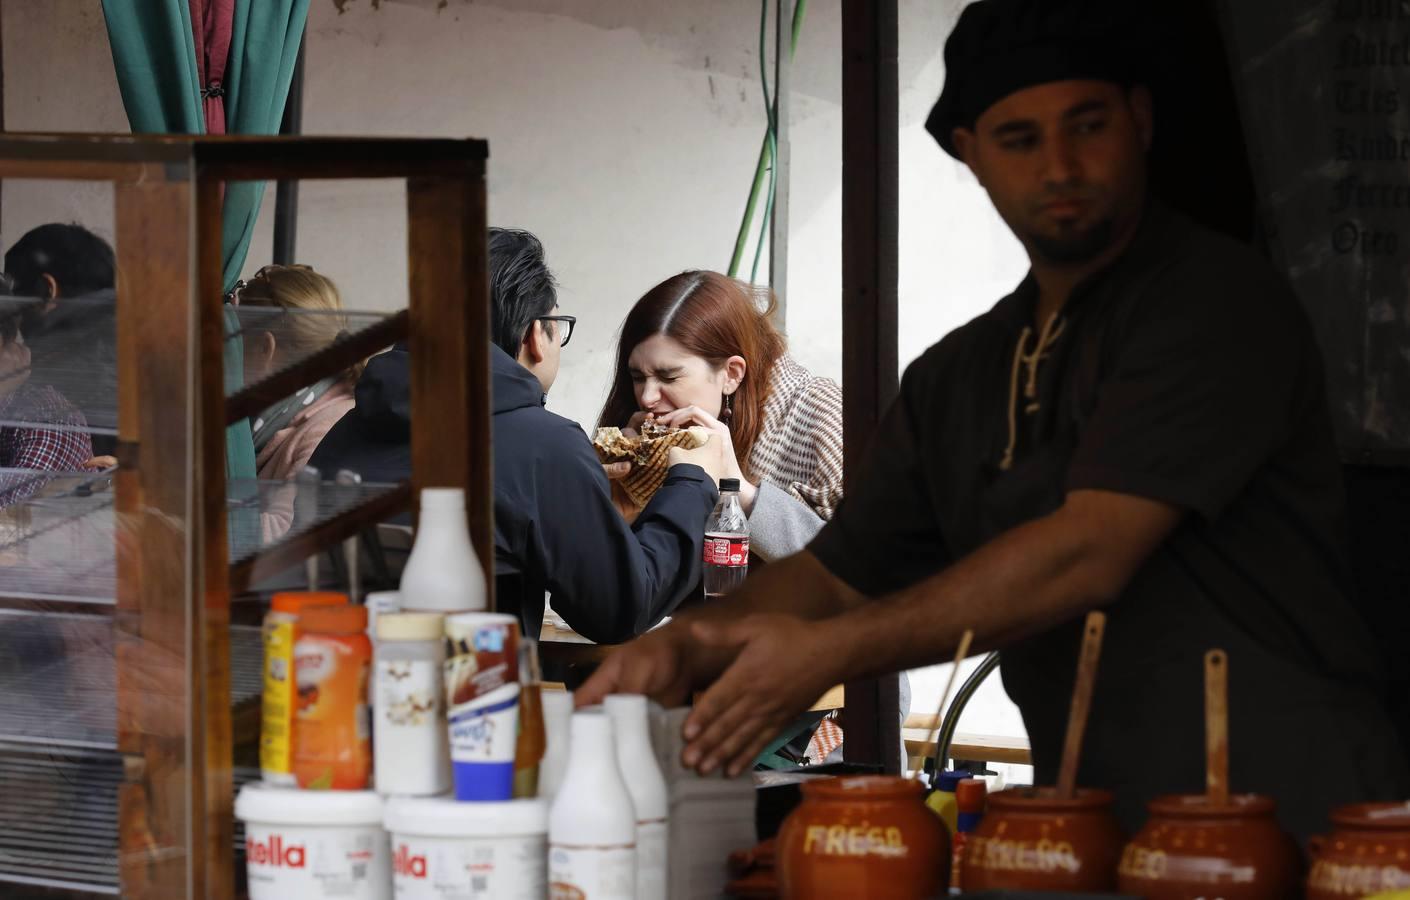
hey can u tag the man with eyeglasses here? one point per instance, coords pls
(556, 528)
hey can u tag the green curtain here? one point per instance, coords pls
(263, 49)
(154, 55)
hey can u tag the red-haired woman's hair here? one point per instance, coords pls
(714, 317)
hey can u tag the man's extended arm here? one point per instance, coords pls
(776, 660)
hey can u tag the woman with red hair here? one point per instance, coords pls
(700, 349)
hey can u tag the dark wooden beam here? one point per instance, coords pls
(286, 192)
(450, 339)
(870, 147)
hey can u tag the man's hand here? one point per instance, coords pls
(625, 505)
(782, 664)
(658, 664)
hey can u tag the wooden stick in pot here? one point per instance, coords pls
(1081, 703)
(1216, 727)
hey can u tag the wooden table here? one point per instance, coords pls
(979, 747)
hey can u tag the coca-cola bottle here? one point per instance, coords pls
(726, 543)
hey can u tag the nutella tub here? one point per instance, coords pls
(446, 850)
(314, 845)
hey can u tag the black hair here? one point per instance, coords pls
(522, 288)
(76, 258)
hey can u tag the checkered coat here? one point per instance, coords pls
(799, 448)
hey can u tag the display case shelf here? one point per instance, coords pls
(59, 546)
(56, 678)
(58, 824)
(77, 360)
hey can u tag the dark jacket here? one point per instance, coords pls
(555, 525)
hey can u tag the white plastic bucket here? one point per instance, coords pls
(443, 848)
(314, 844)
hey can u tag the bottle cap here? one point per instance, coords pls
(296, 602)
(334, 619)
(383, 601)
(443, 498)
(402, 626)
(970, 795)
(729, 484)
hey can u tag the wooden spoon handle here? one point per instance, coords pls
(1216, 727)
(1081, 703)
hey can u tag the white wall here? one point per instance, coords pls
(623, 132)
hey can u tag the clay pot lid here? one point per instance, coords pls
(863, 788)
(1374, 816)
(1198, 806)
(1045, 799)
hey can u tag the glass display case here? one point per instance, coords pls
(125, 686)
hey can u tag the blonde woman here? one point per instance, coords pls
(304, 316)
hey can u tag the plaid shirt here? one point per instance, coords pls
(41, 449)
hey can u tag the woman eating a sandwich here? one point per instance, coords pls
(699, 349)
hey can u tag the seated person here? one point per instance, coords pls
(700, 349)
(40, 431)
(73, 272)
(288, 432)
(555, 522)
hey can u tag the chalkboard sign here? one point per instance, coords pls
(1324, 97)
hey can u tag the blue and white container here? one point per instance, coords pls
(483, 735)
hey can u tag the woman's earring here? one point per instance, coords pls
(727, 410)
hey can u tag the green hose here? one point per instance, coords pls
(763, 167)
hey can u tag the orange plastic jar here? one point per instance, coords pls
(276, 741)
(332, 662)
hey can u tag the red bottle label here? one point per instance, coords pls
(732, 553)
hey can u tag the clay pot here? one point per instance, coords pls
(1367, 852)
(1190, 848)
(1031, 840)
(867, 836)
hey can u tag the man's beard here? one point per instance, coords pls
(1076, 247)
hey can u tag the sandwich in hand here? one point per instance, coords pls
(649, 453)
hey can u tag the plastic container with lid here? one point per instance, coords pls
(314, 844)
(442, 848)
(443, 574)
(276, 744)
(332, 660)
(410, 751)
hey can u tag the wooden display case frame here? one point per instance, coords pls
(175, 581)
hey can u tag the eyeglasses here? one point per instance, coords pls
(565, 334)
(232, 296)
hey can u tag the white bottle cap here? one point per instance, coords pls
(410, 626)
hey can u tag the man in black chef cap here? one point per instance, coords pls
(1140, 427)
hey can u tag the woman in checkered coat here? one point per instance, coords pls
(701, 349)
